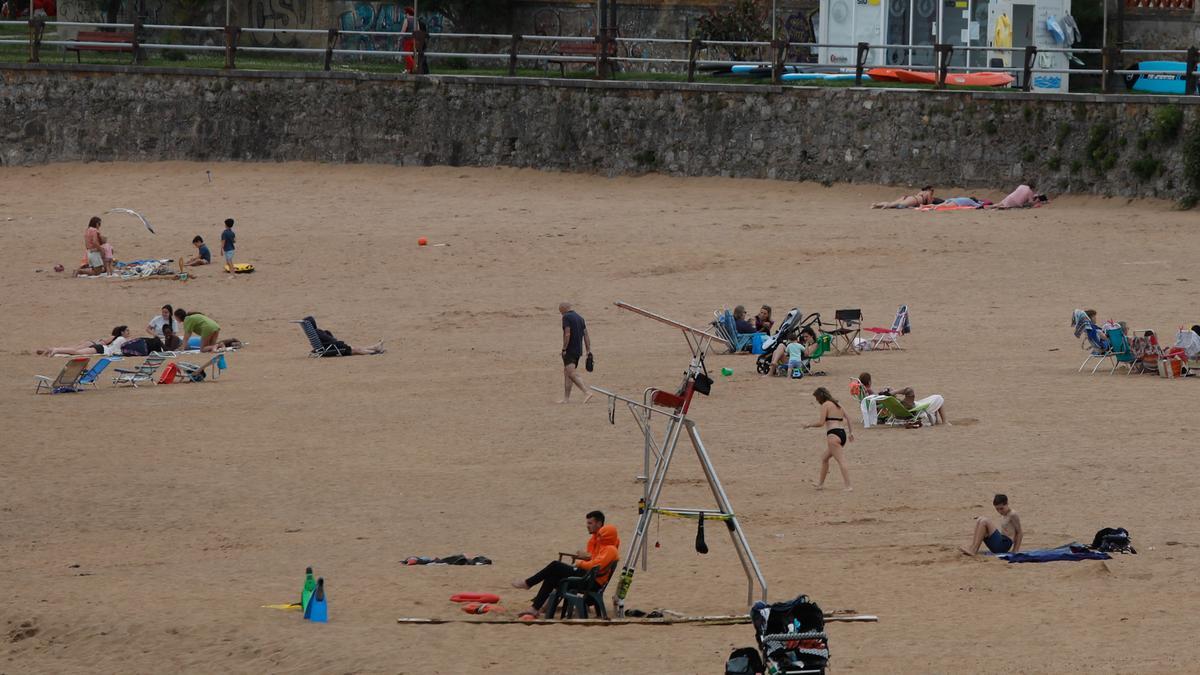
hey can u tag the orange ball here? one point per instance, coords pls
(422, 241)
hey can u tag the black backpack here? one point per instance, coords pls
(1113, 540)
(135, 347)
(744, 661)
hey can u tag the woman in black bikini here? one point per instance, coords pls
(838, 433)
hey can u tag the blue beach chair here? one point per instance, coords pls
(1122, 352)
(727, 328)
(93, 373)
(1100, 347)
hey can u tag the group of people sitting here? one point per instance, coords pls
(1022, 197)
(1144, 349)
(760, 323)
(162, 335)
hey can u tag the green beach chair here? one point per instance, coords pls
(1121, 351)
(898, 415)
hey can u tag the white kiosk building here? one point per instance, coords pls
(975, 23)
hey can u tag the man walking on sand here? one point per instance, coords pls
(1003, 537)
(575, 340)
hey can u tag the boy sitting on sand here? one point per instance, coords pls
(1005, 537)
(203, 255)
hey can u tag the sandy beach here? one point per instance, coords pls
(144, 529)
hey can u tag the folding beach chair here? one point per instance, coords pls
(727, 328)
(1121, 351)
(142, 374)
(198, 373)
(888, 338)
(93, 373)
(824, 345)
(898, 415)
(1100, 349)
(848, 326)
(67, 380)
(319, 349)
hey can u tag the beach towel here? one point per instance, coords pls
(933, 403)
(1189, 342)
(870, 411)
(1066, 552)
(1079, 321)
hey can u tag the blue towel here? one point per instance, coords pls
(1072, 551)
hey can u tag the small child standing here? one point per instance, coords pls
(227, 244)
(795, 352)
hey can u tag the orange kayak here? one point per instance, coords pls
(959, 79)
(883, 75)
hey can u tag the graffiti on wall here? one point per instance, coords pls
(383, 18)
(278, 14)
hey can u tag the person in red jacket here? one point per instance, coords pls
(602, 550)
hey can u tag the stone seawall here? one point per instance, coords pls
(1126, 145)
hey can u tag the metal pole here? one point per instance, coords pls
(226, 12)
(773, 2)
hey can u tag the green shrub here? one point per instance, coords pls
(1064, 130)
(1191, 164)
(1054, 163)
(990, 128)
(1145, 168)
(1167, 122)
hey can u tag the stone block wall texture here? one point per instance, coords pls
(1068, 143)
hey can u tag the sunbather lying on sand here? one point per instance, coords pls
(1022, 197)
(108, 346)
(925, 196)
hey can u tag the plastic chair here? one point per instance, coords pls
(576, 593)
(1121, 352)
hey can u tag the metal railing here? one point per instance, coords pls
(601, 50)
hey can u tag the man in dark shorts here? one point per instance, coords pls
(575, 340)
(1001, 537)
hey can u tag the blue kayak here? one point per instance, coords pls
(826, 77)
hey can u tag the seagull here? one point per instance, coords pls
(134, 213)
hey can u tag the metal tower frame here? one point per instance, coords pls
(674, 407)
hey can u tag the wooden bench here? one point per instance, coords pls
(101, 36)
(590, 49)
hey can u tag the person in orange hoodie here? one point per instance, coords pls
(602, 550)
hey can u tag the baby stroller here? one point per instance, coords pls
(791, 636)
(789, 331)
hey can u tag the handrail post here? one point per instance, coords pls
(231, 40)
(512, 54)
(1027, 75)
(330, 41)
(860, 62)
(137, 32)
(36, 28)
(778, 56)
(603, 65)
(693, 52)
(1111, 57)
(421, 40)
(942, 52)
(1189, 77)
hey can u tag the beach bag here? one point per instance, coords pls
(1113, 540)
(135, 347)
(744, 661)
(1170, 368)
